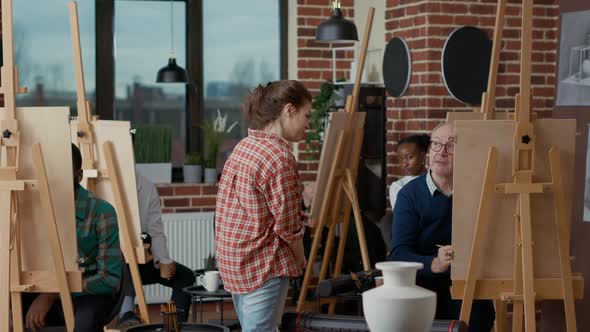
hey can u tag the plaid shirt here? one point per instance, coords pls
(258, 213)
(98, 244)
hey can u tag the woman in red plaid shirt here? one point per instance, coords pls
(258, 216)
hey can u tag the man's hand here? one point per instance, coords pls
(442, 262)
(167, 271)
(38, 310)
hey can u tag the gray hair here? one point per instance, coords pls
(443, 123)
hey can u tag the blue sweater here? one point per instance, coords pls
(421, 220)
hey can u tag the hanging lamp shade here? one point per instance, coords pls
(336, 29)
(171, 73)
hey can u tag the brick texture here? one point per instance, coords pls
(425, 26)
(180, 197)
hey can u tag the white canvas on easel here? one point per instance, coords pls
(118, 132)
(471, 151)
(336, 122)
(44, 256)
(49, 127)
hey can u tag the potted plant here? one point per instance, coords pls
(214, 135)
(193, 168)
(153, 152)
(321, 104)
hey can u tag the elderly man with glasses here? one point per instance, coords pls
(422, 221)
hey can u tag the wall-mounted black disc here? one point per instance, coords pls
(465, 64)
(397, 67)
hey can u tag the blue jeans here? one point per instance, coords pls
(261, 310)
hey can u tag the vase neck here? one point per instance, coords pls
(399, 277)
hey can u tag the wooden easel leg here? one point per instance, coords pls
(17, 312)
(53, 235)
(561, 223)
(340, 254)
(517, 306)
(350, 191)
(125, 229)
(332, 221)
(310, 262)
(517, 315)
(341, 244)
(15, 263)
(481, 224)
(5, 196)
(137, 285)
(328, 252)
(527, 262)
(500, 307)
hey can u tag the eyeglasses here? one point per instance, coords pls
(437, 146)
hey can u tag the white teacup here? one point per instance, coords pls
(210, 280)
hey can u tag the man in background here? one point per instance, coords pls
(162, 270)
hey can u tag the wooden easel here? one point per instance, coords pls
(85, 135)
(13, 279)
(341, 158)
(527, 284)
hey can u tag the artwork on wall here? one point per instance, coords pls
(574, 60)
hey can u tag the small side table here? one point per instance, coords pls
(199, 293)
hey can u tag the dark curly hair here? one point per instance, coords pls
(422, 141)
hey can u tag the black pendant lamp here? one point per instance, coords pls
(171, 73)
(336, 29)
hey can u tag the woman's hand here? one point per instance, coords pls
(302, 262)
(308, 193)
(442, 262)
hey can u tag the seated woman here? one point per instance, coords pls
(411, 151)
(412, 155)
(422, 221)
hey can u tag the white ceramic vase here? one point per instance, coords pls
(399, 305)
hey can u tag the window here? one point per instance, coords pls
(238, 56)
(129, 40)
(44, 56)
(142, 46)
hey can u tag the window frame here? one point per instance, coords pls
(105, 63)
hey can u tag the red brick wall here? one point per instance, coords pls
(426, 24)
(187, 197)
(314, 63)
